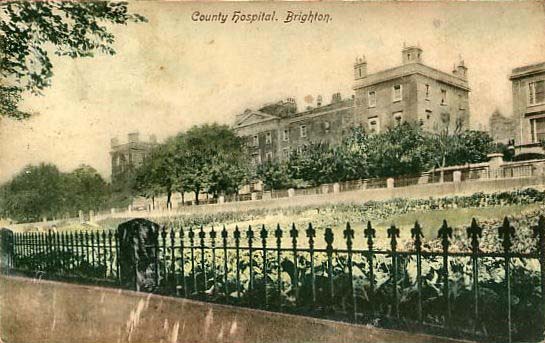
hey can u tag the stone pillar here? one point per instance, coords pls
(267, 195)
(457, 176)
(138, 246)
(112, 210)
(129, 208)
(325, 189)
(254, 196)
(6, 250)
(291, 193)
(390, 182)
(91, 215)
(221, 199)
(80, 216)
(336, 187)
(495, 161)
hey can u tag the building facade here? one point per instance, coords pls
(412, 92)
(502, 129)
(528, 84)
(128, 156)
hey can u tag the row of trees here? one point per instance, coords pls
(212, 159)
(44, 191)
(207, 158)
(399, 151)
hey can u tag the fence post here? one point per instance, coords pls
(445, 233)
(6, 250)
(416, 234)
(138, 239)
(539, 232)
(506, 232)
(393, 234)
(474, 232)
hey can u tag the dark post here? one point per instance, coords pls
(264, 234)
(445, 233)
(191, 235)
(163, 255)
(539, 232)
(6, 250)
(475, 232)
(250, 237)
(393, 234)
(110, 253)
(182, 255)
(213, 247)
(506, 232)
(328, 236)
(294, 234)
(237, 251)
(202, 235)
(311, 233)
(225, 257)
(348, 234)
(416, 235)
(278, 235)
(172, 279)
(138, 239)
(369, 233)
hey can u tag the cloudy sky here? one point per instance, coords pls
(173, 72)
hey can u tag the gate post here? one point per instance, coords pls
(138, 254)
(6, 250)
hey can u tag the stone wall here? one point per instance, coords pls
(52, 312)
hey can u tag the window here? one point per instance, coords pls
(538, 129)
(256, 140)
(428, 114)
(286, 152)
(398, 117)
(427, 92)
(269, 156)
(300, 149)
(397, 93)
(443, 96)
(256, 158)
(303, 130)
(268, 138)
(326, 127)
(374, 125)
(372, 99)
(461, 105)
(536, 92)
(286, 135)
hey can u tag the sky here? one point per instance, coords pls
(173, 72)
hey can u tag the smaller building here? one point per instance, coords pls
(128, 156)
(502, 129)
(529, 107)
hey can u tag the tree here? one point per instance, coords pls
(30, 30)
(84, 189)
(274, 175)
(36, 192)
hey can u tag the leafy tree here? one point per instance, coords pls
(36, 192)
(274, 175)
(85, 189)
(30, 30)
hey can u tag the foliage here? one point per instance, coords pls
(274, 175)
(43, 191)
(29, 31)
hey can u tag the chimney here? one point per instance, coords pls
(461, 70)
(360, 68)
(411, 54)
(114, 142)
(133, 137)
(336, 98)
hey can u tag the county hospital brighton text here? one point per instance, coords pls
(242, 17)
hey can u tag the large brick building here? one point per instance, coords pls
(411, 92)
(529, 107)
(502, 129)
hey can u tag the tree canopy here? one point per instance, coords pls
(30, 30)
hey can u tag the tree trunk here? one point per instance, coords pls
(153, 202)
(183, 197)
(169, 196)
(197, 191)
(442, 177)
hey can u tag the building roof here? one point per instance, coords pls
(410, 69)
(527, 70)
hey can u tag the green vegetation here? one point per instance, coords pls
(31, 30)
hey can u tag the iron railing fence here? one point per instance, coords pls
(450, 288)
